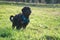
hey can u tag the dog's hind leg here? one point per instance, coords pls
(13, 26)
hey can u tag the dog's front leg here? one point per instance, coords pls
(24, 26)
(18, 27)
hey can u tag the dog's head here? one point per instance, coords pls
(26, 11)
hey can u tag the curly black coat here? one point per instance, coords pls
(21, 20)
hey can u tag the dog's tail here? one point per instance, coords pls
(11, 18)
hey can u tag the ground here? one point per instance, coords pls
(44, 23)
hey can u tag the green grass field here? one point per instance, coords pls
(44, 23)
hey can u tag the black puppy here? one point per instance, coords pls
(22, 19)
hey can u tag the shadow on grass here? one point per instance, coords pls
(47, 37)
(5, 32)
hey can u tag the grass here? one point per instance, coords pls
(44, 23)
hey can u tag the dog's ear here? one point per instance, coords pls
(24, 9)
